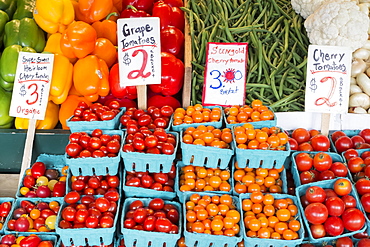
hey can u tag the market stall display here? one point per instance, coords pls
(177, 174)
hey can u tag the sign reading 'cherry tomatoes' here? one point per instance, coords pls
(225, 74)
(328, 79)
(139, 50)
(31, 85)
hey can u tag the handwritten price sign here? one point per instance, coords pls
(225, 74)
(31, 85)
(139, 51)
(328, 79)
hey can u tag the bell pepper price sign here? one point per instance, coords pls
(327, 81)
(225, 74)
(30, 95)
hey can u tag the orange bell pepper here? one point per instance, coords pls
(93, 10)
(105, 50)
(68, 107)
(90, 77)
(73, 91)
(61, 81)
(78, 40)
(118, 5)
(53, 45)
(106, 29)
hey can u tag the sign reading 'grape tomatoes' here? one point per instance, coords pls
(328, 79)
(225, 74)
(139, 51)
(31, 85)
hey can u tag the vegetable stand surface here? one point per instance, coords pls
(277, 53)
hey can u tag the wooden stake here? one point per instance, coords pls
(186, 89)
(141, 97)
(27, 153)
(325, 123)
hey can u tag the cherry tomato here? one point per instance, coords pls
(163, 225)
(320, 143)
(363, 242)
(106, 222)
(339, 169)
(334, 226)
(316, 213)
(102, 204)
(73, 149)
(140, 214)
(156, 204)
(69, 213)
(318, 230)
(92, 222)
(149, 223)
(363, 186)
(293, 143)
(353, 219)
(342, 186)
(168, 148)
(336, 135)
(365, 201)
(343, 143)
(315, 194)
(38, 169)
(350, 153)
(322, 161)
(72, 197)
(113, 146)
(304, 161)
(301, 135)
(365, 133)
(326, 175)
(335, 206)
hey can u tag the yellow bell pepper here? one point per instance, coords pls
(54, 15)
(49, 122)
(53, 45)
(61, 81)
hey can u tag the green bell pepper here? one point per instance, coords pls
(24, 32)
(9, 6)
(6, 121)
(24, 9)
(4, 18)
(7, 86)
(9, 61)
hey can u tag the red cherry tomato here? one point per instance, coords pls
(316, 213)
(320, 143)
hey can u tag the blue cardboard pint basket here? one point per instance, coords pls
(140, 238)
(335, 157)
(257, 124)
(87, 236)
(180, 194)
(77, 126)
(349, 133)
(327, 184)
(131, 191)
(208, 240)
(259, 242)
(141, 162)
(255, 158)
(52, 238)
(11, 200)
(283, 177)
(95, 166)
(207, 156)
(184, 126)
(17, 204)
(56, 162)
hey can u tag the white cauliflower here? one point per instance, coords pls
(338, 24)
(306, 7)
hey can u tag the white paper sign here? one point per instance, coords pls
(139, 51)
(31, 85)
(328, 79)
(225, 74)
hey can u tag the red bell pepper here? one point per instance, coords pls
(131, 12)
(169, 16)
(145, 5)
(118, 90)
(172, 41)
(159, 101)
(172, 75)
(123, 102)
(173, 3)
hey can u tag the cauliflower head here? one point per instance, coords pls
(306, 7)
(338, 24)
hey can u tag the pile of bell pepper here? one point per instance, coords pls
(82, 34)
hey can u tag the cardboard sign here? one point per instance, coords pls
(225, 74)
(139, 51)
(31, 85)
(328, 79)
